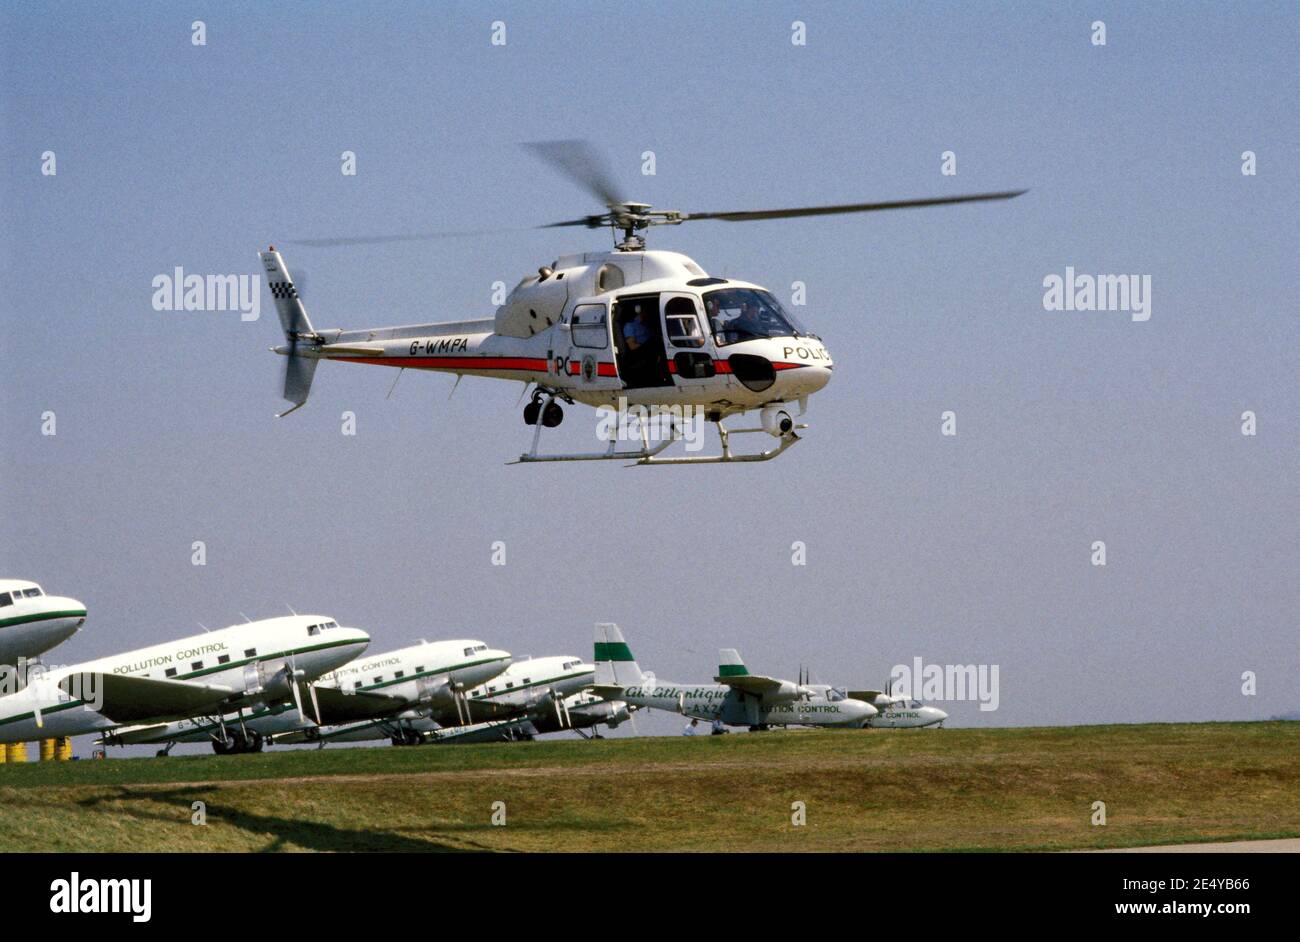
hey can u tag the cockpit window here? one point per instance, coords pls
(836, 694)
(313, 630)
(737, 314)
(570, 665)
(683, 325)
(5, 599)
(32, 593)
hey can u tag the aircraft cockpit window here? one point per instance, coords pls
(469, 651)
(738, 314)
(835, 695)
(313, 630)
(683, 326)
(914, 705)
(480, 647)
(32, 593)
(5, 599)
(588, 327)
(570, 665)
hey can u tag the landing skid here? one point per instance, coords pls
(649, 454)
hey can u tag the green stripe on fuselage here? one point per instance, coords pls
(41, 616)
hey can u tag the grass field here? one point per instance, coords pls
(956, 789)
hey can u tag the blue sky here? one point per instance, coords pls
(1072, 426)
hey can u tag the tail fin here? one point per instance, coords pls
(299, 369)
(614, 663)
(730, 664)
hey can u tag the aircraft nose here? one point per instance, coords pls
(494, 662)
(937, 714)
(355, 641)
(69, 608)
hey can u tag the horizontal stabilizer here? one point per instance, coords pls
(350, 350)
(126, 699)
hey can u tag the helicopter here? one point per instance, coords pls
(633, 329)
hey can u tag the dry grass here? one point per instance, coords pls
(931, 790)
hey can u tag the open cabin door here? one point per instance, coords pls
(589, 359)
(639, 340)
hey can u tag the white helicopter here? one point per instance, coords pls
(632, 327)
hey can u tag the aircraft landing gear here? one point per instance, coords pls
(238, 743)
(166, 750)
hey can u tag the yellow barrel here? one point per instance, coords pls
(17, 751)
(4, 754)
(64, 752)
(47, 749)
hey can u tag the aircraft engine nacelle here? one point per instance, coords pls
(438, 691)
(788, 691)
(776, 421)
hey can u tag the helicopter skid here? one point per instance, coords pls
(726, 457)
(648, 454)
(610, 455)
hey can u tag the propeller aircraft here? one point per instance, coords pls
(389, 692)
(736, 697)
(213, 674)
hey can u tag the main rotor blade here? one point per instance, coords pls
(583, 164)
(750, 215)
(408, 237)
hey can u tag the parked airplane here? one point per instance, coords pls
(32, 622)
(531, 688)
(386, 691)
(898, 712)
(211, 674)
(736, 697)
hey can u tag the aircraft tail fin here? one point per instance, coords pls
(613, 658)
(730, 664)
(299, 367)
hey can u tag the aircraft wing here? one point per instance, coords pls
(337, 707)
(866, 696)
(751, 683)
(126, 699)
